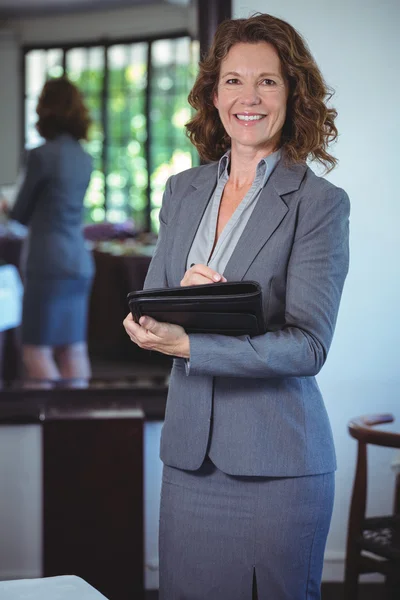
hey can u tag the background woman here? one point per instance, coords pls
(59, 268)
(249, 462)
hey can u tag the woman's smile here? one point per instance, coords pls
(249, 118)
(251, 96)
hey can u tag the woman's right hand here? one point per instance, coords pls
(201, 275)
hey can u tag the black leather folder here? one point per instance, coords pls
(231, 308)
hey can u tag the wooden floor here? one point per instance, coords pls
(330, 591)
(371, 591)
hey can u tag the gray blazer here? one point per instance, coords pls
(50, 202)
(253, 403)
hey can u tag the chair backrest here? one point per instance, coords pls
(361, 428)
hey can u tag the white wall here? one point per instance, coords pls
(20, 501)
(10, 137)
(356, 44)
(97, 25)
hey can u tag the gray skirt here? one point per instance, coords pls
(55, 311)
(223, 537)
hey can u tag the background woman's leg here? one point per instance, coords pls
(40, 367)
(73, 363)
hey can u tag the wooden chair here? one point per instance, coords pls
(373, 544)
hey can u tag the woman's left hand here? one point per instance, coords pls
(149, 334)
(3, 205)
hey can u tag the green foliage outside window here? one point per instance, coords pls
(129, 175)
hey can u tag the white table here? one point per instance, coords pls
(66, 587)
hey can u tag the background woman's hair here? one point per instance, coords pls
(309, 126)
(61, 109)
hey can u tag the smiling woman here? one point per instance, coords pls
(251, 96)
(309, 125)
(247, 447)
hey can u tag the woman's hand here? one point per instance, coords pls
(200, 275)
(149, 334)
(167, 338)
(3, 205)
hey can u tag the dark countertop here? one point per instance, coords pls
(20, 406)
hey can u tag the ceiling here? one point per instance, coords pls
(26, 8)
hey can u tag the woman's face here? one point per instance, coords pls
(251, 96)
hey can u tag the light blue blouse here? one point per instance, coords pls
(202, 247)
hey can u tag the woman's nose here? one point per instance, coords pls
(249, 96)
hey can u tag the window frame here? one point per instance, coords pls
(106, 43)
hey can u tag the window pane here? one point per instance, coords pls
(39, 66)
(172, 79)
(54, 58)
(85, 67)
(127, 132)
(76, 61)
(35, 62)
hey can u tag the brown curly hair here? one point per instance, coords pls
(309, 126)
(61, 109)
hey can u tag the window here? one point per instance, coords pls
(137, 96)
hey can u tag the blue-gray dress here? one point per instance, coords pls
(57, 265)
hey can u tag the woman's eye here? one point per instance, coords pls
(268, 82)
(232, 81)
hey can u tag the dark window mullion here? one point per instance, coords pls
(25, 97)
(147, 110)
(104, 121)
(126, 129)
(174, 91)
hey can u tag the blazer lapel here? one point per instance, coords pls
(266, 217)
(192, 210)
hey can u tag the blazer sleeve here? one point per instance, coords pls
(156, 275)
(316, 273)
(27, 195)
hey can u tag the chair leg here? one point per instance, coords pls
(350, 587)
(392, 588)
